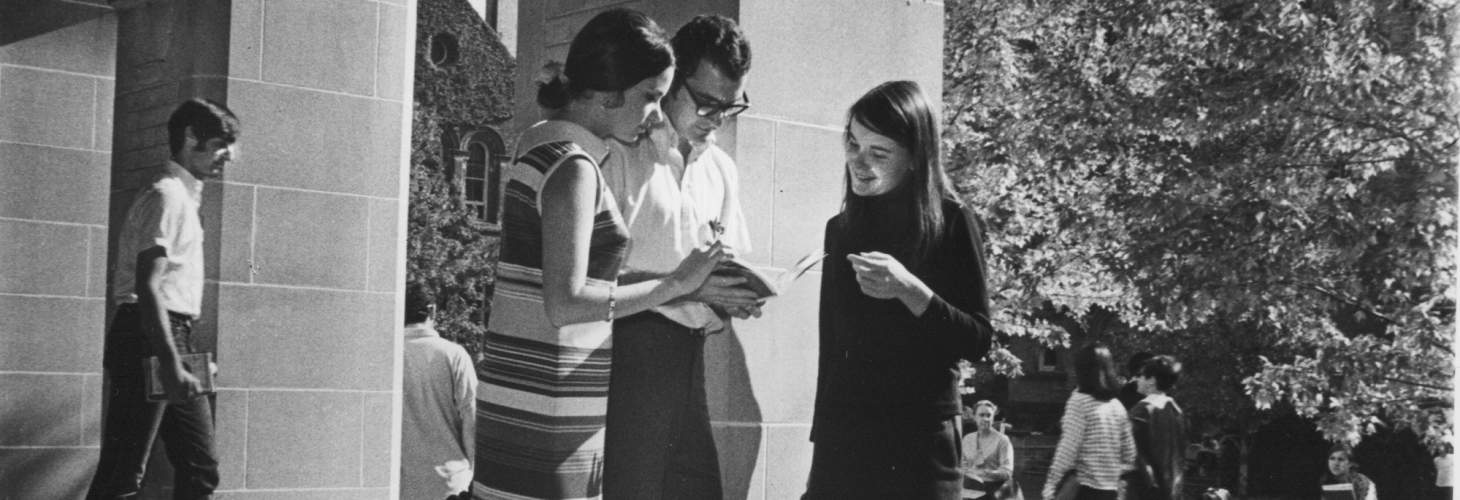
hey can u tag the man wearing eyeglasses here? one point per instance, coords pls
(676, 190)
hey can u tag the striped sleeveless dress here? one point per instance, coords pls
(543, 390)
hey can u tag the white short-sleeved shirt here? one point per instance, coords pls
(165, 214)
(669, 212)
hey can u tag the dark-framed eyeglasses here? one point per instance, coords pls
(707, 108)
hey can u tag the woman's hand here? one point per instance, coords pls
(882, 277)
(697, 266)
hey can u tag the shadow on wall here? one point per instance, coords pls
(44, 473)
(735, 411)
(27, 473)
(27, 19)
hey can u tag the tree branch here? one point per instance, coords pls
(1335, 295)
(1342, 163)
(1418, 146)
(1419, 384)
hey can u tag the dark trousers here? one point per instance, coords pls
(886, 458)
(657, 440)
(987, 487)
(1088, 493)
(133, 423)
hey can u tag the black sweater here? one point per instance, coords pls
(878, 362)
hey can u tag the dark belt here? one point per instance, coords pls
(656, 316)
(132, 308)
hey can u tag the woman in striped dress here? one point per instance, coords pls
(544, 379)
(1095, 437)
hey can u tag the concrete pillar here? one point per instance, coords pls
(56, 65)
(309, 294)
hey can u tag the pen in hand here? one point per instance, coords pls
(716, 229)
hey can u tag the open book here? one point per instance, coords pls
(1340, 491)
(765, 285)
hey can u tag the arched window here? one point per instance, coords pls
(482, 175)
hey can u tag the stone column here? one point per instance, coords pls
(57, 61)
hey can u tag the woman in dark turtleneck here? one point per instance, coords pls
(902, 300)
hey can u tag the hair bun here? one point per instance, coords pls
(552, 86)
(553, 70)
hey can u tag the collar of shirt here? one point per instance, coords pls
(420, 330)
(1160, 400)
(556, 130)
(195, 186)
(666, 141)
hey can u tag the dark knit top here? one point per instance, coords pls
(878, 362)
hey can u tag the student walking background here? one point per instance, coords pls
(438, 406)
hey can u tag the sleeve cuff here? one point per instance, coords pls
(938, 312)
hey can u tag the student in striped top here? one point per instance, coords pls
(544, 378)
(1095, 439)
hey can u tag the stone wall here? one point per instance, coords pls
(311, 262)
(57, 62)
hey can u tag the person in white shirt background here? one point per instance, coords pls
(438, 406)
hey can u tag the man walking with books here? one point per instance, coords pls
(158, 287)
(677, 190)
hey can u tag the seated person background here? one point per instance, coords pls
(1341, 471)
(988, 455)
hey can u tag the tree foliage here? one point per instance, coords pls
(448, 250)
(1264, 188)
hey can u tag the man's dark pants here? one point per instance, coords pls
(133, 422)
(657, 442)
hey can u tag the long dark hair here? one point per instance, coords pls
(617, 49)
(1095, 372)
(899, 111)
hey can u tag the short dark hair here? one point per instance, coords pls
(712, 38)
(420, 303)
(1095, 372)
(207, 118)
(616, 50)
(1345, 449)
(1165, 369)
(1133, 365)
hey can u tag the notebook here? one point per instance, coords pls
(1341, 491)
(199, 364)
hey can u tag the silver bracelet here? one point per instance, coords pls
(611, 304)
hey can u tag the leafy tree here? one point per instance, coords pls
(1263, 188)
(448, 249)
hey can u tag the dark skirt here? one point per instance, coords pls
(891, 459)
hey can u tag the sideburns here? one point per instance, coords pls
(613, 100)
